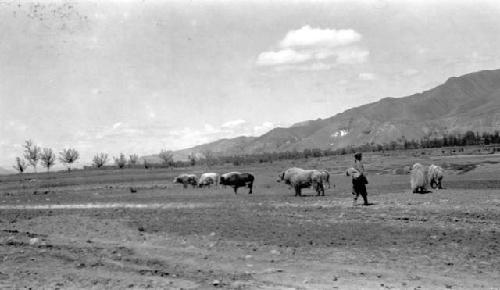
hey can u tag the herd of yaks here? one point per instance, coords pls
(421, 176)
(299, 179)
(234, 179)
(295, 177)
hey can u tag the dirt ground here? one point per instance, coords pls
(88, 230)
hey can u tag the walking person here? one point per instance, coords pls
(359, 180)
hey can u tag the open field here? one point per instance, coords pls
(86, 229)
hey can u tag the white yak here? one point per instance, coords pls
(435, 176)
(418, 178)
(300, 178)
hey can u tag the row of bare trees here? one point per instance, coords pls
(100, 159)
(33, 154)
(121, 161)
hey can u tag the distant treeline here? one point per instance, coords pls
(210, 159)
(470, 138)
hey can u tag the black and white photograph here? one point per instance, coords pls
(252, 144)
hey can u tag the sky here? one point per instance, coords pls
(141, 76)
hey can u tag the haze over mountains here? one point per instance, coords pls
(468, 102)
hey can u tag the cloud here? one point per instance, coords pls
(14, 126)
(366, 76)
(477, 57)
(421, 50)
(352, 56)
(263, 128)
(117, 130)
(410, 72)
(150, 112)
(309, 36)
(189, 137)
(233, 123)
(315, 49)
(285, 56)
(316, 66)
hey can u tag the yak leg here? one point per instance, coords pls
(235, 190)
(250, 185)
(297, 190)
(318, 187)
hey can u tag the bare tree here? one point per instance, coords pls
(121, 161)
(20, 165)
(192, 159)
(209, 156)
(167, 156)
(100, 159)
(133, 158)
(32, 153)
(48, 158)
(68, 157)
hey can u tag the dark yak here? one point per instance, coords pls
(237, 179)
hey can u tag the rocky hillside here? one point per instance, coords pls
(469, 102)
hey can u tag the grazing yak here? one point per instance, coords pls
(186, 179)
(435, 176)
(287, 174)
(206, 179)
(418, 178)
(300, 178)
(224, 176)
(236, 180)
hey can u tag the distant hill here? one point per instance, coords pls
(4, 171)
(232, 146)
(468, 102)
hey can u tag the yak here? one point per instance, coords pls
(435, 176)
(206, 179)
(299, 178)
(237, 180)
(418, 178)
(186, 179)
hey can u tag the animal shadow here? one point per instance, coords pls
(426, 191)
(368, 204)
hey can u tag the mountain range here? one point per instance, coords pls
(468, 102)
